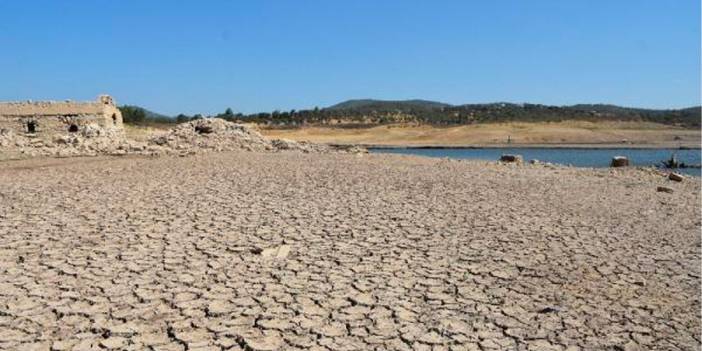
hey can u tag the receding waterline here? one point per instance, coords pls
(579, 157)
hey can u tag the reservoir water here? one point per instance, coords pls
(578, 157)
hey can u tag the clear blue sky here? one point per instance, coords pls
(258, 55)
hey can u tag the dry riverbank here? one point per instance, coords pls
(280, 251)
(562, 134)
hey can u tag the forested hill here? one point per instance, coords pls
(373, 112)
(439, 113)
(369, 105)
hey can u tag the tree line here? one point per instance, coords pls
(441, 116)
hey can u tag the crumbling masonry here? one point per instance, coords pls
(47, 118)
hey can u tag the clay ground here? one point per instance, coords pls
(576, 133)
(290, 251)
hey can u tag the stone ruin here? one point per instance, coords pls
(65, 129)
(51, 118)
(59, 128)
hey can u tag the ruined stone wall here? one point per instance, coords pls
(59, 117)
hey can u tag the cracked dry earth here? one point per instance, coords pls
(291, 251)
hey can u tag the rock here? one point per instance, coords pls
(204, 129)
(278, 252)
(511, 158)
(550, 309)
(284, 144)
(664, 189)
(675, 177)
(619, 161)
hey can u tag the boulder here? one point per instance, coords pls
(619, 161)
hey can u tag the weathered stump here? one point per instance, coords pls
(619, 161)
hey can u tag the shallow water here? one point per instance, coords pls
(578, 157)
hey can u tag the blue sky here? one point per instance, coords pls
(260, 55)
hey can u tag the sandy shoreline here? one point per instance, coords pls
(279, 251)
(565, 134)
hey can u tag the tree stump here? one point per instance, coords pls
(511, 158)
(619, 161)
(675, 177)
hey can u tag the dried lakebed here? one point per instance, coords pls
(255, 251)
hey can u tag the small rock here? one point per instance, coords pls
(279, 252)
(675, 177)
(550, 309)
(664, 189)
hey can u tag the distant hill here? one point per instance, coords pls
(387, 105)
(138, 115)
(380, 111)
(148, 113)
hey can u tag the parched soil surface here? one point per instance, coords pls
(257, 251)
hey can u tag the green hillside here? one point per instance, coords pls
(369, 105)
(366, 112)
(378, 111)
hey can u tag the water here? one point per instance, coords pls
(566, 156)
